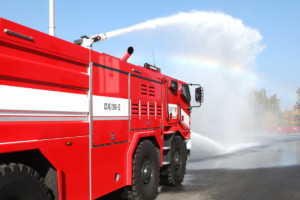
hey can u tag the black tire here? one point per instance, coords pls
(175, 171)
(19, 182)
(145, 172)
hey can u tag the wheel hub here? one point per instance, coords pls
(177, 160)
(146, 171)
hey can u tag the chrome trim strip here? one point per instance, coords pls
(142, 129)
(110, 118)
(18, 35)
(162, 104)
(20, 118)
(90, 120)
(129, 108)
(107, 144)
(42, 112)
(27, 141)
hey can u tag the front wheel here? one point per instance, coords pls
(20, 182)
(145, 172)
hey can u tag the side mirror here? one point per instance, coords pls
(199, 95)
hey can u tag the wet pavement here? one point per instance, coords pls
(268, 169)
(263, 167)
(228, 184)
(260, 151)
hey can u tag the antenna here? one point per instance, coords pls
(153, 57)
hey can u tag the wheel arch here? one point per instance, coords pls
(136, 140)
(37, 161)
(179, 134)
(32, 158)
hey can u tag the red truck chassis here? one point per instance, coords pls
(79, 124)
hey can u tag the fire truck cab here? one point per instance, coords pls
(79, 124)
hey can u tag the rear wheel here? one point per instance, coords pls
(145, 172)
(173, 174)
(20, 182)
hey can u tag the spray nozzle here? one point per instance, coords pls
(87, 42)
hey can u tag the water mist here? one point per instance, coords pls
(215, 50)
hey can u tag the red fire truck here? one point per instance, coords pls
(79, 124)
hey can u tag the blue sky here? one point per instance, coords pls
(277, 21)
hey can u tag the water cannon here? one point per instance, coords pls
(87, 42)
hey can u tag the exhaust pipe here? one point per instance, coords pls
(127, 54)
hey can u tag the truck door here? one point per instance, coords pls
(110, 106)
(110, 125)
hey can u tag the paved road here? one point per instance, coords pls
(267, 167)
(268, 171)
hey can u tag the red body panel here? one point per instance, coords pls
(70, 161)
(107, 161)
(37, 130)
(126, 102)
